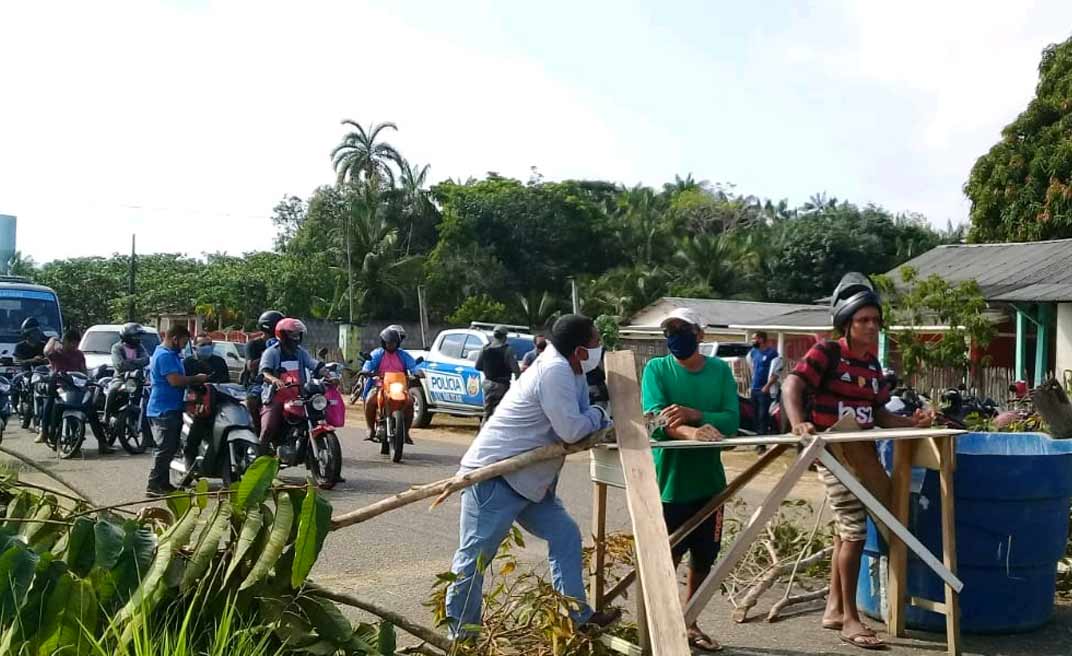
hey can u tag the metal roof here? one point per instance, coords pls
(724, 313)
(1019, 272)
(809, 318)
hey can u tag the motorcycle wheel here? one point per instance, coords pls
(131, 435)
(327, 467)
(398, 435)
(70, 437)
(387, 423)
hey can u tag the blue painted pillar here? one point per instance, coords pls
(1021, 345)
(883, 345)
(1042, 342)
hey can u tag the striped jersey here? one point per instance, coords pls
(840, 383)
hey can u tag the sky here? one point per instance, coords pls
(186, 122)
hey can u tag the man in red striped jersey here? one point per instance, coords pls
(839, 378)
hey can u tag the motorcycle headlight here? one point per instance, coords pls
(319, 402)
(131, 386)
(397, 388)
(5, 387)
(79, 381)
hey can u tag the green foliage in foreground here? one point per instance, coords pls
(216, 573)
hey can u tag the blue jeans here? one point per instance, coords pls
(761, 402)
(489, 509)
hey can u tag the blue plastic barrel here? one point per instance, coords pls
(1013, 492)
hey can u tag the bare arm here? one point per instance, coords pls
(921, 419)
(793, 402)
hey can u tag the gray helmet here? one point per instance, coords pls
(131, 333)
(400, 330)
(853, 292)
(390, 336)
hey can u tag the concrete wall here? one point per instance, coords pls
(1063, 350)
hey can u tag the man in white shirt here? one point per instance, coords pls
(546, 406)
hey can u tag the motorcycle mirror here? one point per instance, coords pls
(420, 359)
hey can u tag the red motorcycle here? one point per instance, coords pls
(311, 413)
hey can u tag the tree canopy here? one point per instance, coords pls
(1021, 190)
(498, 249)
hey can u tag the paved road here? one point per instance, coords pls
(393, 559)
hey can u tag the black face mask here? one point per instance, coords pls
(756, 344)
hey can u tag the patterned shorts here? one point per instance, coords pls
(850, 516)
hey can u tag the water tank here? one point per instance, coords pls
(1013, 492)
(7, 241)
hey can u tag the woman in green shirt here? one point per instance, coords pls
(690, 397)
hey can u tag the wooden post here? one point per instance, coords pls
(662, 605)
(743, 543)
(898, 557)
(949, 543)
(599, 537)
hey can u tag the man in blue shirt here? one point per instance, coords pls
(547, 406)
(761, 356)
(165, 405)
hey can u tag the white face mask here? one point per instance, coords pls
(595, 354)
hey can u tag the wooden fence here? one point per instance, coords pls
(987, 382)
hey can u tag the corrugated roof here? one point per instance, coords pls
(721, 312)
(811, 317)
(1024, 272)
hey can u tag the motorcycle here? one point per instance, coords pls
(358, 384)
(123, 412)
(392, 396)
(311, 413)
(41, 389)
(958, 406)
(5, 404)
(22, 397)
(74, 397)
(227, 445)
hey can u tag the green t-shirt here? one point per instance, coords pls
(691, 474)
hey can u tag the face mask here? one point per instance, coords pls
(204, 352)
(755, 344)
(595, 354)
(682, 344)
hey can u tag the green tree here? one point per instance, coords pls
(478, 308)
(1021, 190)
(541, 234)
(361, 157)
(914, 302)
(87, 288)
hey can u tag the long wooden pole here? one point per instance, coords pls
(431, 636)
(446, 486)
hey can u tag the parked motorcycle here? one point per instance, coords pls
(311, 413)
(74, 399)
(123, 411)
(958, 405)
(358, 383)
(227, 445)
(5, 404)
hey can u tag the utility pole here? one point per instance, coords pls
(575, 296)
(423, 311)
(132, 273)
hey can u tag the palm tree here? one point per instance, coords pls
(640, 213)
(360, 157)
(416, 201)
(539, 310)
(819, 202)
(721, 262)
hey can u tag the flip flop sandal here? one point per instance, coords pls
(701, 641)
(855, 640)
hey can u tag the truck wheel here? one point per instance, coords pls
(422, 416)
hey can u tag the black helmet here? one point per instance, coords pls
(400, 330)
(852, 293)
(131, 333)
(268, 320)
(30, 327)
(390, 336)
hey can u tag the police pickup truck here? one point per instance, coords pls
(450, 383)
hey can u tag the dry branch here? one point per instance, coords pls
(782, 603)
(770, 578)
(445, 487)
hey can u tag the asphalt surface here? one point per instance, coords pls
(393, 559)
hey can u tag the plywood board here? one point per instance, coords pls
(666, 622)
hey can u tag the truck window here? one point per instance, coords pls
(17, 305)
(471, 350)
(451, 346)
